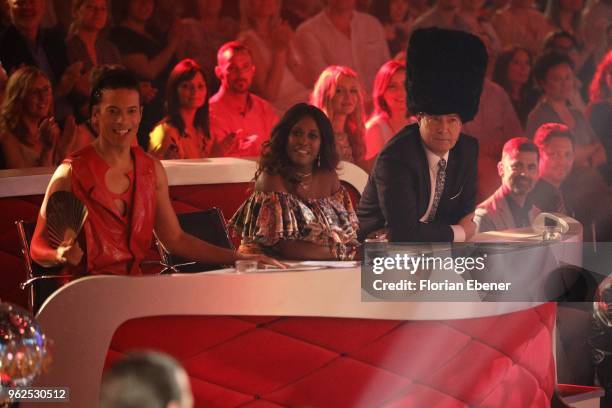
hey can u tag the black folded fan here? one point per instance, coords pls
(66, 215)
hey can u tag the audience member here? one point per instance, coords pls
(204, 34)
(519, 23)
(24, 42)
(396, 20)
(299, 210)
(185, 132)
(596, 18)
(146, 379)
(125, 191)
(338, 93)
(494, 124)
(390, 112)
(423, 185)
(513, 73)
(295, 12)
(565, 15)
(564, 43)
(418, 8)
(279, 78)
(146, 53)
(444, 14)
(556, 146)
(509, 207)
(471, 13)
(86, 45)
(599, 110)
(239, 120)
(339, 35)
(577, 191)
(29, 134)
(554, 75)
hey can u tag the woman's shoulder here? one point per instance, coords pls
(268, 183)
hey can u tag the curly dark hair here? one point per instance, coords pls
(274, 159)
(546, 62)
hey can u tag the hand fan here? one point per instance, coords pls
(65, 217)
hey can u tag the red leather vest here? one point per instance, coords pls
(115, 244)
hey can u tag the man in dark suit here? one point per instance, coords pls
(423, 185)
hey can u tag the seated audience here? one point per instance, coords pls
(519, 23)
(554, 75)
(512, 72)
(240, 121)
(86, 44)
(563, 42)
(579, 192)
(556, 146)
(24, 42)
(204, 34)
(396, 20)
(390, 112)
(147, 53)
(29, 133)
(471, 13)
(125, 191)
(299, 210)
(599, 110)
(494, 124)
(596, 27)
(508, 207)
(423, 184)
(339, 35)
(565, 15)
(279, 77)
(185, 132)
(146, 379)
(444, 14)
(338, 93)
(295, 12)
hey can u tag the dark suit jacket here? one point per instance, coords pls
(398, 190)
(14, 50)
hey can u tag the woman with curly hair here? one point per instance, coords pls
(298, 209)
(29, 134)
(184, 133)
(599, 110)
(339, 95)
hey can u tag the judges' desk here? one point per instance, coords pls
(317, 343)
(194, 185)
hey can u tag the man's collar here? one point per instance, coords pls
(432, 158)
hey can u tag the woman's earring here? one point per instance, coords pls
(319, 160)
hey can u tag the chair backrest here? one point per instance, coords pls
(38, 291)
(207, 225)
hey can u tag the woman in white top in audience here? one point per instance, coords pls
(278, 76)
(390, 111)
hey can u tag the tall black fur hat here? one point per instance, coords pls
(445, 71)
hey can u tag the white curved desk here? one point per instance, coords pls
(82, 317)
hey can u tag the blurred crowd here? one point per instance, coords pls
(216, 76)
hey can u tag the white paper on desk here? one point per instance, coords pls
(331, 264)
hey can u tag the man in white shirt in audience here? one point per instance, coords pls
(340, 35)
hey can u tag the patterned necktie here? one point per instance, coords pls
(439, 189)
